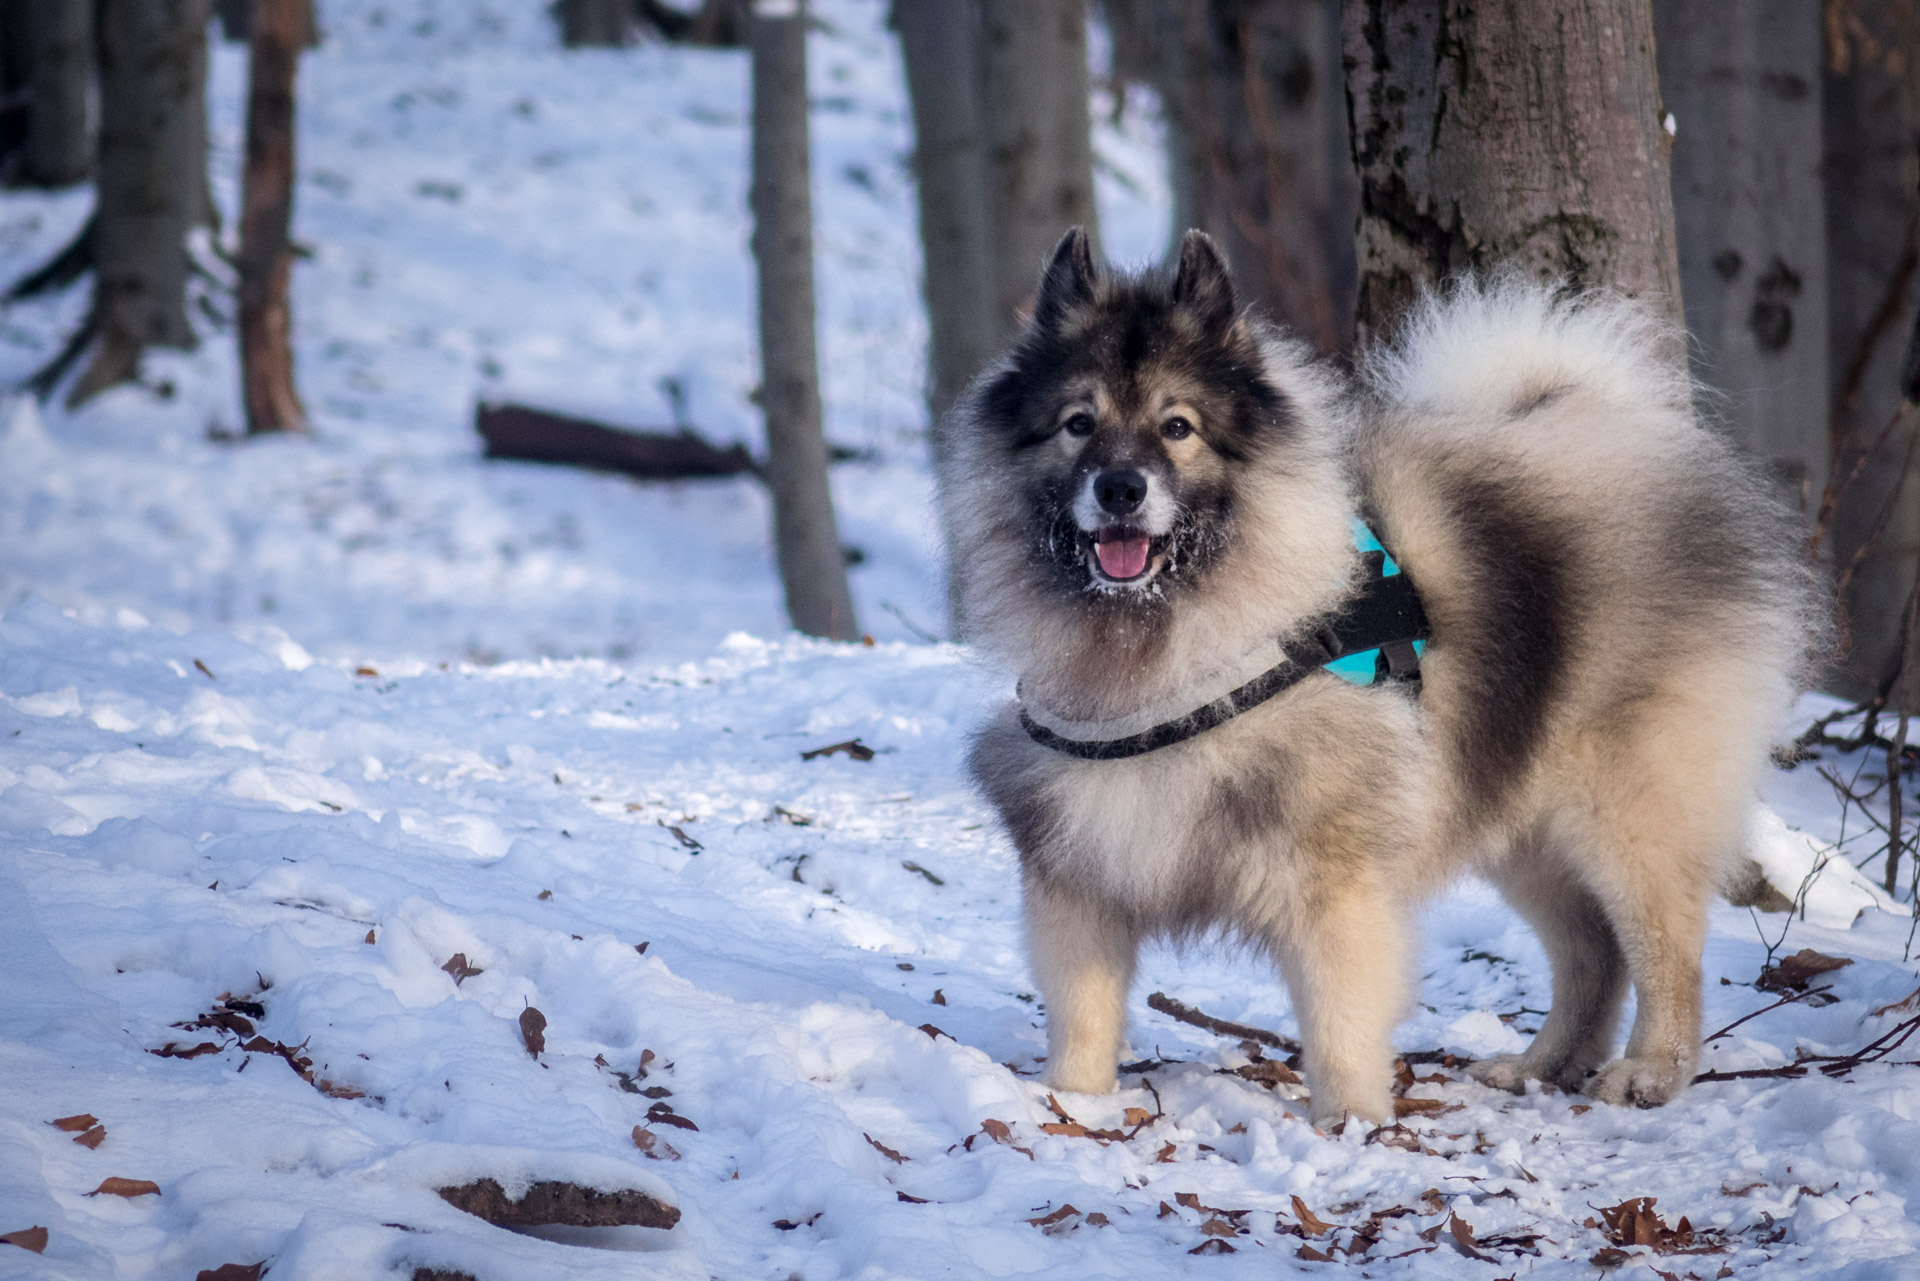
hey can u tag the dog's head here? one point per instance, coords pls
(1124, 416)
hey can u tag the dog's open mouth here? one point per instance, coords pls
(1123, 554)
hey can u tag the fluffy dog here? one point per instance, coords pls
(1153, 493)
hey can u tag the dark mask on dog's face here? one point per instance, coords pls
(1128, 412)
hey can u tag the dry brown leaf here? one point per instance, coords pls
(1419, 1107)
(998, 1131)
(92, 1138)
(663, 1114)
(1308, 1253)
(939, 996)
(1164, 1155)
(364, 670)
(1269, 1072)
(1215, 1246)
(910, 1199)
(853, 747)
(458, 967)
(1064, 1213)
(1167, 1212)
(34, 1239)
(1463, 1239)
(172, 1050)
(1071, 1129)
(1907, 1004)
(126, 1188)
(933, 1032)
(369, 936)
(1137, 1116)
(1311, 1223)
(1098, 1220)
(233, 1272)
(77, 1122)
(533, 1031)
(336, 1091)
(1794, 973)
(653, 1145)
(205, 670)
(884, 1150)
(1217, 1227)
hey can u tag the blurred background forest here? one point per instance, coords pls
(1747, 164)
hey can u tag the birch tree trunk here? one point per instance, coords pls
(1508, 131)
(1040, 142)
(1871, 101)
(60, 117)
(277, 32)
(813, 567)
(1742, 78)
(151, 179)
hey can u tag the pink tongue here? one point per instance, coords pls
(1123, 557)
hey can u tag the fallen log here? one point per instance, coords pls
(541, 436)
(552, 1202)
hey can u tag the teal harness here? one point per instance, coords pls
(1376, 636)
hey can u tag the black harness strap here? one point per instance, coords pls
(1385, 615)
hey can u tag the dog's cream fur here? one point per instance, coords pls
(1620, 621)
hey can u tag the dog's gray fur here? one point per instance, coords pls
(1621, 619)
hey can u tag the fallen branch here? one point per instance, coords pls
(540, 436)
(1220, 1027)
(1833, 1065)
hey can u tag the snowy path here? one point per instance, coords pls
(169, 835)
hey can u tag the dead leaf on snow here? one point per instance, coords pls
(233, 1272)
(1137, 1116)
(1419, 1107)
(884, 1150)
(1794, 973)
(853, 747)
(663, 1114)
(939, 996)
(1061, 1215)
(934, 1033)
(533, 1031)
(1305, 1251)
(1215, 1246)
(1217, 1227)
(1098, 1220)
(1463, 1240)
(653, 1145)
(172, 1050)
(79, 1121)
(126, 1188)
(92, 1138)
(1314, 1225)
(458, 967)
(34, 1239)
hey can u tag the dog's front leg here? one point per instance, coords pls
(1083, 956)
(1344, 956)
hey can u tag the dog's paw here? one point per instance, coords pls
(1509, 1072)
(1082, 1078)
(1640, 1083)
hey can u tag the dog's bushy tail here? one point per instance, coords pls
(1488, 346)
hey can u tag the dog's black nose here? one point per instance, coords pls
(1120, 492)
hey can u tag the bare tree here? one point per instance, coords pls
(1870, 93)
(813, 567)
(59, 150)
(940, 42)
(1742, 79)
(151, 180)
(1040, 141)
(277, 31)
(1508, 132)
(1255, 105)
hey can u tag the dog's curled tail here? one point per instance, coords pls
(1496, 346)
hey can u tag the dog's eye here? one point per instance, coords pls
(1176, 429)
(1080, 425)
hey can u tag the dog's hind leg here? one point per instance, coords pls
(1589, 973)
(1083, 957)
(1344, 957)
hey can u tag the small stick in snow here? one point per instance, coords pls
(1220, 1027)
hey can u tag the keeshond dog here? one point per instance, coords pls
(1150, 506)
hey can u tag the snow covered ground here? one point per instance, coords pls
(287, 727)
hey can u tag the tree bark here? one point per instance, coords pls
(1742, 78)
(277, 31)
(151, 179)
(1255, 106)
(596, 22)
(1870, 96)
(1040, 142)
(940, 42)
(813, 567)
(59, 120)
(1508, 132)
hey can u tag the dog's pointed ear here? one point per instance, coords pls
(1068, 282)
(1202, 284)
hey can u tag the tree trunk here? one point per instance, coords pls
(940, 41)
(813, 567)
(1508, 132)
(596, 22)
(1742, 80)
(59, 121)
(1871, 105)
(1040, 142)
(152, 180)
(1255, 105)
(278, 29)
